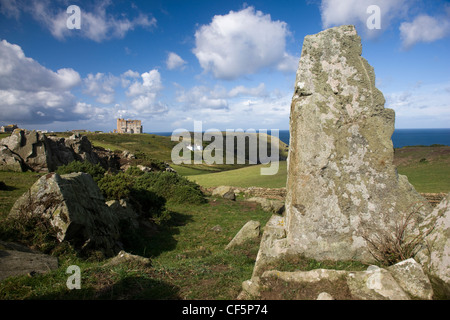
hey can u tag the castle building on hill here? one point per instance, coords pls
(8, 128)
(129, 126)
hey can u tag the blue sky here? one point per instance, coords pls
(230, 64)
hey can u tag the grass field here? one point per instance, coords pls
(244, 177)
(427, 169)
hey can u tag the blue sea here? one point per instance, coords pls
(400, 138)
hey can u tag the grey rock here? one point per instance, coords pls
(435, 257)
(324, 296)
(125, 257)
(341, 183)
(225, 192)
(250, 230)
(75, 206)
(269, 205)
(16, 260)
(44, 154)
(413, 280)
(125, 212)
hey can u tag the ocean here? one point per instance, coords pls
(400, 138)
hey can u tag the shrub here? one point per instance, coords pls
(171, 186)
(95, 170)
(116, 187)
(134, 171)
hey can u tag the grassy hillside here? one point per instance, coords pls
(244, 177)
(427, 168)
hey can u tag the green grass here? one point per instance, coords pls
(427, 169)
(189, 261)
(17, 184)
(244, 177)
(153, 146)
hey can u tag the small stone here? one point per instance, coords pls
(324, 296)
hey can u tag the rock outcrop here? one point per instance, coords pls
(32, 150)
(76, 208)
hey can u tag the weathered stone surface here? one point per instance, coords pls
(18, 260)
(75, 206)
(44, 154)
(250, 230)
(273, 243)
(324, 296)
(225, 192)
(411, 277)
(374, 284)
(269, 205)
(436, 256)
(9, 161)
(341, 181)
(125, 257)
(124, 212)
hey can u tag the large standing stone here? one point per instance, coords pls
(76, 208)
(341, 181)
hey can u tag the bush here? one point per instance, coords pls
(116, 187)
(95, 170)
(134, 171)
(171, 186)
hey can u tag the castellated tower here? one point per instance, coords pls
(129, 126)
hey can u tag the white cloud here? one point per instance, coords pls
(241, 43)
(101, 86)
(97, 24)
(9, 8)
(202, 97)
(32, 93)
(145, 94)
(174, 61)
(335, 13)
(424, 28)
(259, 91)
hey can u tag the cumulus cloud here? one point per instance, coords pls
(335, 13)
(96, 24)
(101, 86)
(241, 43)
(202, 97)
(424, 28)
(31, 93)
(174, 61)
(144, 93)
(219, 98)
